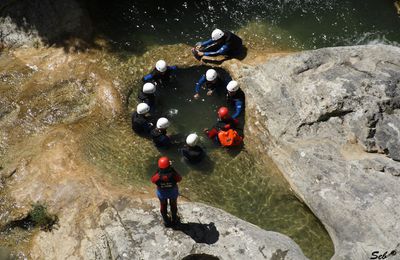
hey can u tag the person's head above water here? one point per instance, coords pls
(149, 88)
(192, 139)
(142, 108)
(223, 112)
(217, 34)
(161, 66)
(162, 123)
(211, 75)
(164, 162)
(232, 86)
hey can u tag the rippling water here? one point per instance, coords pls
(299, 24)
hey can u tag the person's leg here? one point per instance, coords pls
(174, 210)
(164, 212)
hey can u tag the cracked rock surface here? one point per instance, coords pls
(330, 119)
(134, 231)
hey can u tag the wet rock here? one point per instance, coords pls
(136, 232)
(35, 22)
(330, 119)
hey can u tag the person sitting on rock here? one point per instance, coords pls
(147, 94)
(235, 97)
(141, 119)
(166, 179)
(161, 74)
(191, 151)
(159, 134)
(221, 43)
(212, 82)
(224, 131)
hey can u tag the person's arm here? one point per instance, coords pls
(148, 77)
(206, 43)
(155, 178)
(239, 107)
(201, 81)
(224, 49)
(174, 68)
(177, 177)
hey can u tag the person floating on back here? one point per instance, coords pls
(141, 119)
(212, 82)
(161, 74)
(221, 43)
(224, 132)
(147, 94)
(159, 134)
(235, 97)
(191, 151)
(166, 179)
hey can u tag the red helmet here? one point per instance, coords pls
(223, 112)
(163, 162)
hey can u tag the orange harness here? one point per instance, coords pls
(229, 138)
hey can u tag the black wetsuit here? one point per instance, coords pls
(141, 124)
(193, 154)
(160, 138)
(149, 99)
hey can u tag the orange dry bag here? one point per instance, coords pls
(229, 138)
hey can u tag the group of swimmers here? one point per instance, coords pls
(223, 133)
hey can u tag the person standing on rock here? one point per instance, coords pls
(221, 43)
(235, 97)
(166, 179)
(161, 74)
(212, 82)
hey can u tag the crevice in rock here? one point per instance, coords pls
(325, 117)
(200, 257)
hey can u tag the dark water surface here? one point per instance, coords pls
(295, 24)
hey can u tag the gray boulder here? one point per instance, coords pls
(330, 119)
(126, 231)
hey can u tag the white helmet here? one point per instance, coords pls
(161, 66)
(192, 139)
(232, 86)
(142, 108)
(162, 123)
(211, 75)
(217, 34)
(149, 88)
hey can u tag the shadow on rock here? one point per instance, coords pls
(200, 233)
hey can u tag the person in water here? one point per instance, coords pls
(191, 151)
(166, 179)
(235, 97)
(212, 82)
(159, 134)
(221, 43)
(224, 132)
(161, 74)
(147, 94)
(141, 119)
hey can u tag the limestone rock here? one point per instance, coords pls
(136, 232)
(330, 119)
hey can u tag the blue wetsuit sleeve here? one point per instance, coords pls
(239, 106)
(224, 49)
(206, 43)
(201, 81)
(174, 68)
(148, 77)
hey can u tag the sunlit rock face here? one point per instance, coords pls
(330, 119)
